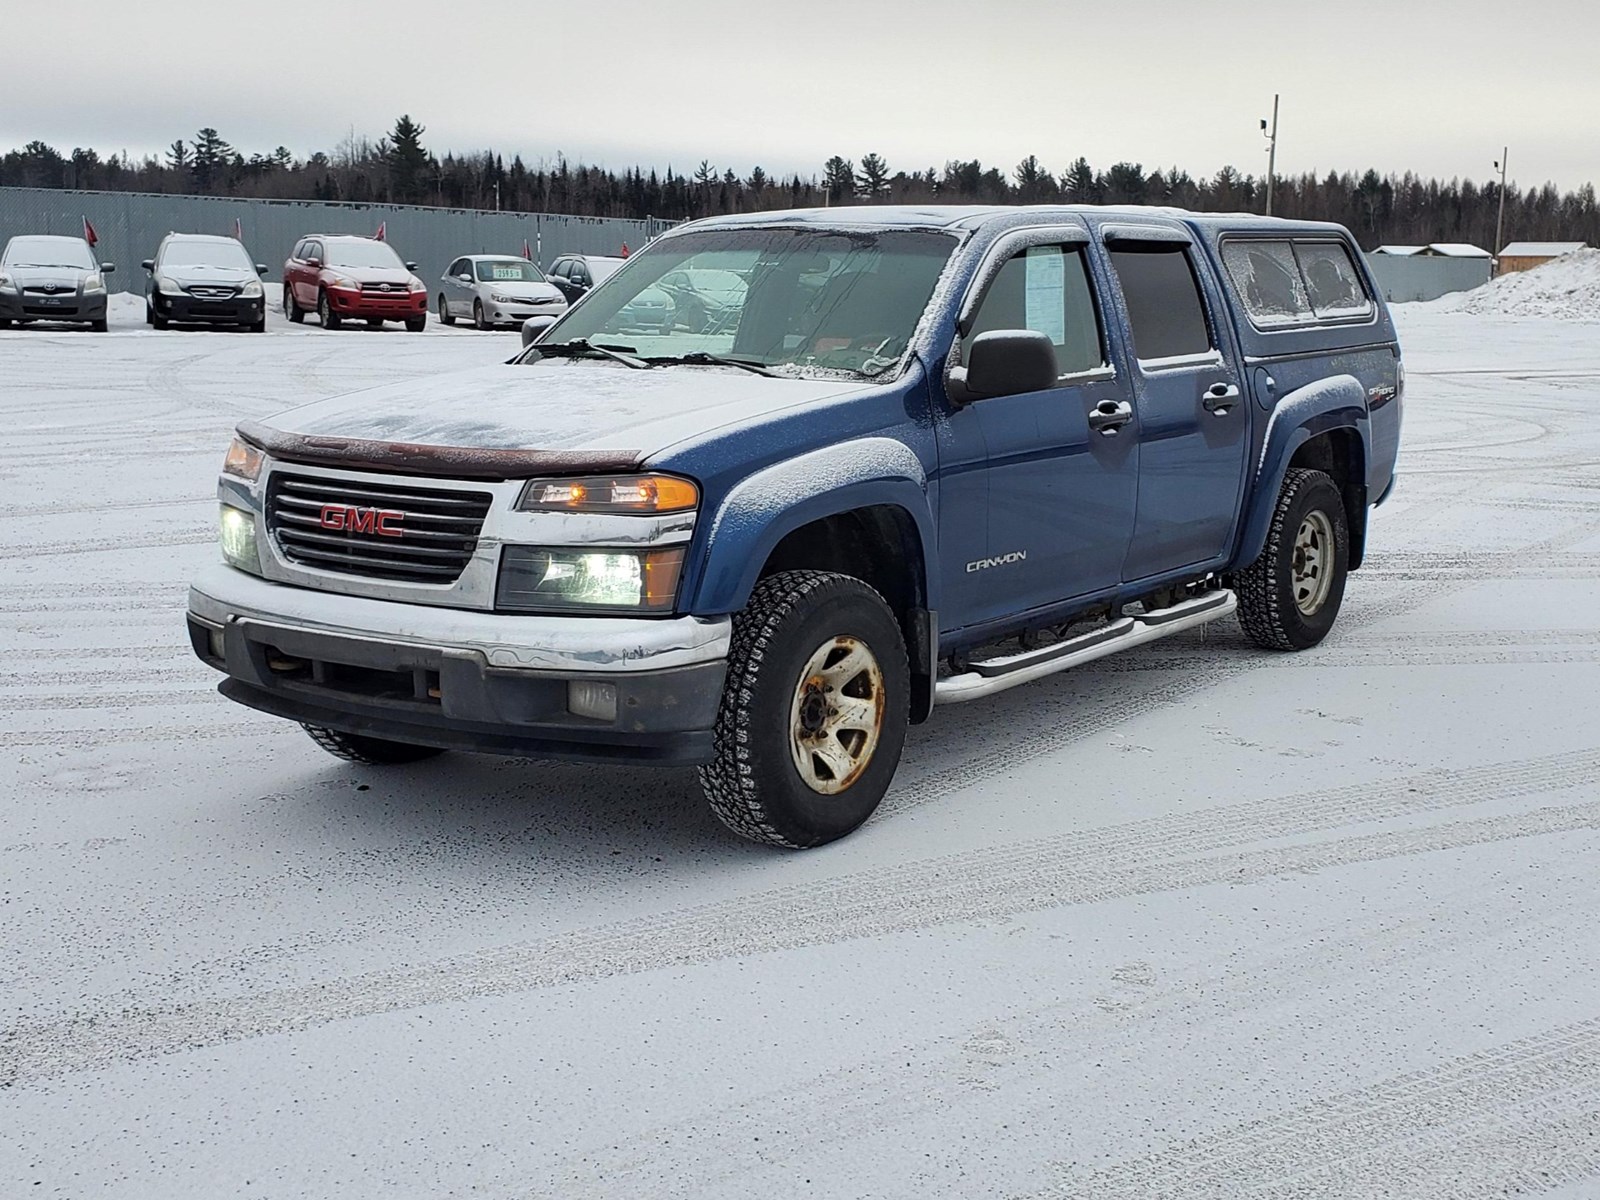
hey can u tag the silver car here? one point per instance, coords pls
(496, 289)
(45, 278)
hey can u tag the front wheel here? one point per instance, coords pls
(479, 320)
(417, 323)
(325, 313)
(99, 326)
(1290, 596)
(358, 747)
(814, 711)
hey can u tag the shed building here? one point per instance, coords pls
(1524, 256)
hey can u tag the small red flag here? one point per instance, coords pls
(624, 249)
(238, 230)
(527, 250)
(89, 235)
(383, 228)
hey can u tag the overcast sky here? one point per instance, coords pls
(1419, 85)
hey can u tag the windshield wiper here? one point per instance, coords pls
(701, 358)
(621, 354)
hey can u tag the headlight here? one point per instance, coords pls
(237, 533)
(243, 461)
(251, 289)
(7, 283)
(343, 281)
(416, 285)
(611, 494)
(94, 282)
(168, 285)
(536, 579)
(499, 299)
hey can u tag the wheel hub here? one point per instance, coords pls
(1311, 567)
(836, 718)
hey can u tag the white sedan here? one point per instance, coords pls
(496, 289)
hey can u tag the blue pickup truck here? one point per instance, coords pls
(903, 457)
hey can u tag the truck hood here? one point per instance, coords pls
(508, 421)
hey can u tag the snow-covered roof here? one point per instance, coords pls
(1540, 249)
(1399, 251)
(1458, 250)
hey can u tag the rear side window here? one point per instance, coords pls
(1046, 289)
(1165, 311)
(1331, 280)
(1267, 278)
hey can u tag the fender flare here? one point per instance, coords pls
(760, 510)
(1337, 402)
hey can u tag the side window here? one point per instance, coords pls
(1165, 311)
(560, 268)
(1331, 280)
(1046, 289)
(580, 272)
(454, 268)
(1267, 278)
(299, 251)
(314, 250)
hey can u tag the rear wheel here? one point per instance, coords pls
(291, 309)
(358, 747)
(325, 313)
(444, 311)
(1290, 596)
(814, 711)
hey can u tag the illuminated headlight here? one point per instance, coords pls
(534, 579)
(251, 290)
(237, 532)
(243, 461)
(611, 494)
(94, 282)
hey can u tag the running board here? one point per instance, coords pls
(998, 674)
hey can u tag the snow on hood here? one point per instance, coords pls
(555, 407)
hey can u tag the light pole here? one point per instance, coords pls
(1500, 219)
(1272, 151)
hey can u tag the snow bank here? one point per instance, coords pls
(1566, 288)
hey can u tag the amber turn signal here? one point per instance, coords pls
(243, 461)
(611, 494)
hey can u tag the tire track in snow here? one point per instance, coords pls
(1142, 857)
(1517, 1120)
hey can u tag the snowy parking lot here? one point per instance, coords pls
(1198, 920)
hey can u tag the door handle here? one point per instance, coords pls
(1219, 398)
(1108, 416)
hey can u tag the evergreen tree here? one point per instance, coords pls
(839, 179)
(872, 183)
(410, 166)
(209, 165)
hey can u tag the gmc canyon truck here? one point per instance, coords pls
(923, 455)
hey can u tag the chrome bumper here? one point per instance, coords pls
(505, 641)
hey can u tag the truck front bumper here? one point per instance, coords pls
(596, 688)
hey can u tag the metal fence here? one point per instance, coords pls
(1425, 276)
(130, 224)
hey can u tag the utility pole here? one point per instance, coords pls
(1272, 152)
(1500, 220)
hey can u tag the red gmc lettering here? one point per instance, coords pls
(349, 519)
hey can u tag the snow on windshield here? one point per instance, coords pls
(49, 252)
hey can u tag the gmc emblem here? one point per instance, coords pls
(381, 521)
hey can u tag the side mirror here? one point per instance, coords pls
(261, 268)
(411, 266)
(1008, 362)
(149, 264)
(314, 263)
(464, 278)
(533, 327)
(107, 268)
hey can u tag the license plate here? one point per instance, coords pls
(54, 300)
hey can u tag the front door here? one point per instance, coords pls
(1035, 507)
(1194, 425)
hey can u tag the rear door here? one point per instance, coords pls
(1193, 422)
(1035, 506)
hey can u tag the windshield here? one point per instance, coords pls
(508, 270)
(798, 298)
(227, 253)
(49, 252)
(363, 254)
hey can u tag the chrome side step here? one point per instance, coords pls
(998, 674)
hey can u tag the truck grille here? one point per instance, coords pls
(379, 530)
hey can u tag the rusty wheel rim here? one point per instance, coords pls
(836, 717)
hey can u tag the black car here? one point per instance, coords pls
(575, 274)
(198, 277)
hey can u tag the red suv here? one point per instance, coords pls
(356, 277)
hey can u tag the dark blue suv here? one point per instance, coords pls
(930, 454)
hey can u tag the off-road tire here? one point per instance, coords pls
(1267, 608)
(445, 316)
(417, 324)
(291, 307)
(752, 783)
(325, 314)
(359, 748)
